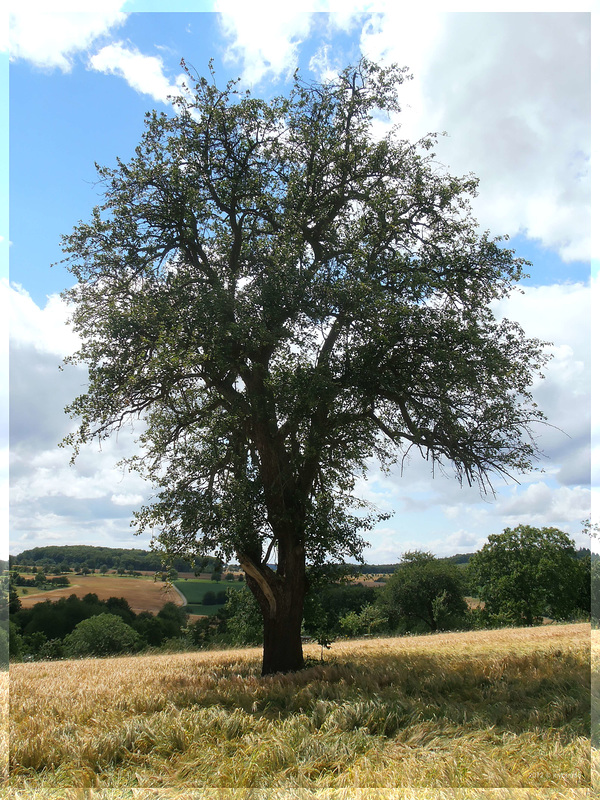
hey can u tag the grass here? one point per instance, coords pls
(471, 710)
(194, 592)
(4, 705)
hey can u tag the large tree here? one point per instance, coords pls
(526, 573)
(280, 296)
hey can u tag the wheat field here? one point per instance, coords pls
(464, 715)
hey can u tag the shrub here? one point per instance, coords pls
(101, 635)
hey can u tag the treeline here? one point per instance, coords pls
(4, 613)
(521, 577)
(77, 557)
(389, 569)
(87, 626)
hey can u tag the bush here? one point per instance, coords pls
(174, 618)
(244, 622)
(15, 642)
(101, 635)
(3, 646)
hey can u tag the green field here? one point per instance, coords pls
(195, 590)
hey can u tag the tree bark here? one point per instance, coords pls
(280, 596)
(282, 647)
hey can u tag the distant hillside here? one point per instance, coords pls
(83, 555)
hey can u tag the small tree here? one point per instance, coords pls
(101, 635)
(40, 578)
(244, 623)
(425, 590)
(595, 591)
(174, 617)
(281, 296)
(526, 573)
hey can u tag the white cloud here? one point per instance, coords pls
(51, 500)
(131, 500)
(266, 43)
(143, 73)
(512, 90)
(538, 503)
(50, 40)
(46, 329)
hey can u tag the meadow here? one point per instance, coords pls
(195, 590)
(475, 710)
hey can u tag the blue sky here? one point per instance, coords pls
(511, 90)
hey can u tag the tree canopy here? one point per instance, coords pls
(526, 573)
(280, 296)
(425, 591)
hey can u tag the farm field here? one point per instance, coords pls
(476, 710)
(195, 590)
(142, 594)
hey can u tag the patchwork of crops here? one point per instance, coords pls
(195, 592)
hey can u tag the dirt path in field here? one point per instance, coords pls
(181, 594)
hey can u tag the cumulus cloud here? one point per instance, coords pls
(512, 90)
(45, 329)
(539, 502)
(51, 39)
(51, 500)
(266, 43)
(561, 314)
(143, 73)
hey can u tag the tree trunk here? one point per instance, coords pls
(282, 647)
(280, 596)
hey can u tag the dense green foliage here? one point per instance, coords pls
(526, 573)
(425, 593)
(43, 630)
(595, 590)
(101, 635)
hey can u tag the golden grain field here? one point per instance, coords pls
(477, 710)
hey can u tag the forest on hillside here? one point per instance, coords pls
(76, 557)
